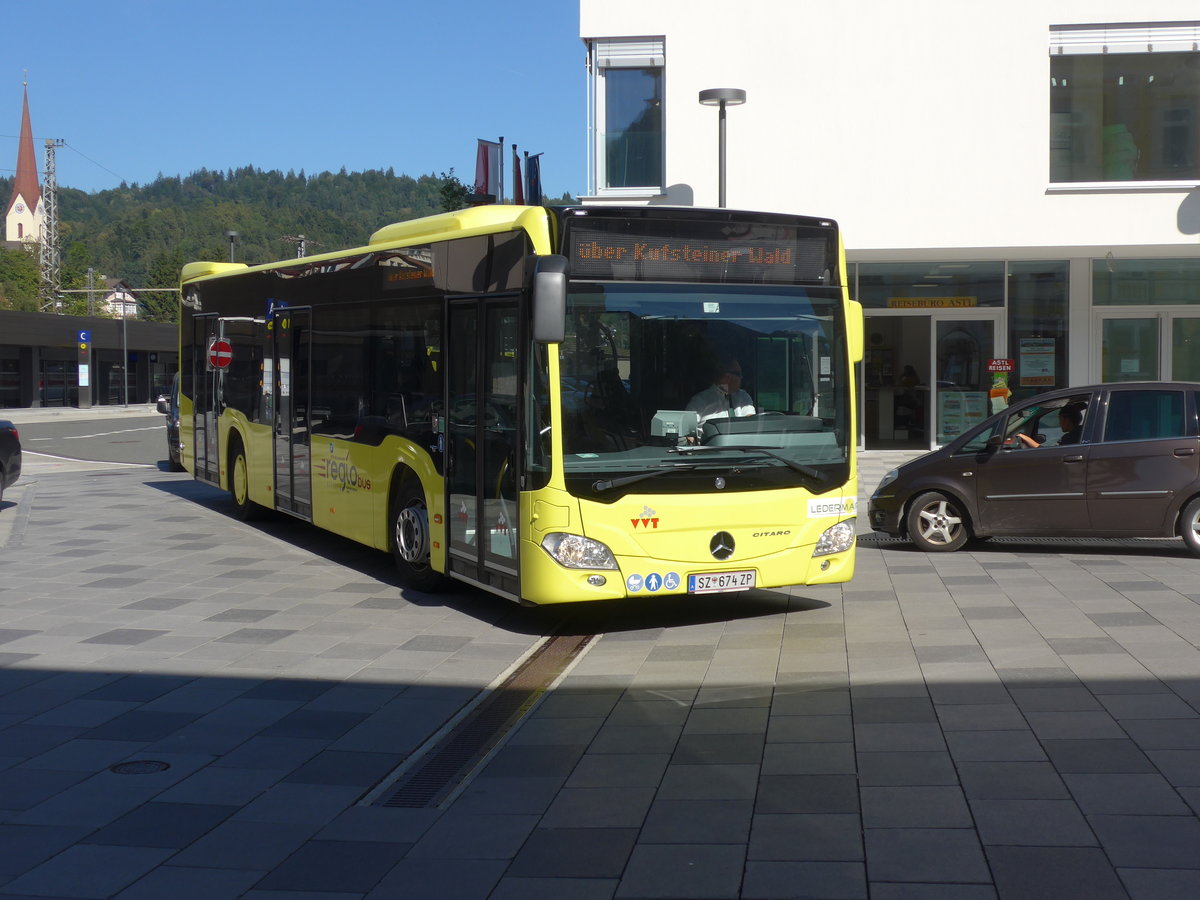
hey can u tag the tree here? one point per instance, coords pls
(162, 306)
(453, 192)
(19, 273)
(143, 233)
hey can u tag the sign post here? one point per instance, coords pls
(84, 360)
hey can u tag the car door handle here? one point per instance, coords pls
(1185, 451)
(1072, 459)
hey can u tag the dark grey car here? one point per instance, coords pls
(1111, 460)
(10, 455)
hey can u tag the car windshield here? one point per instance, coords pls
(678, 382)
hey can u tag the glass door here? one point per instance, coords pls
(483, 441)
(206, 399)
(1129, 348)
(1185, 348)
(962, 349)
(1135, 346)
(292, 344)
(925, 377)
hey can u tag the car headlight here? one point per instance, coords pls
(574, 551)
(887, 479)
(835, 539)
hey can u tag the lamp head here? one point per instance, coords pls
(722, 96)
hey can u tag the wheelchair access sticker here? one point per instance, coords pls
(653, 582)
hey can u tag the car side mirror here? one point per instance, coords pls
(995, 442)
(164, 406)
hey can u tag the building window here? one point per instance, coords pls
(1146, 282)
(1037, 326)
(627, 115)
(1125, 102)
(931, 285)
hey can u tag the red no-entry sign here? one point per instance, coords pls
(220, 353)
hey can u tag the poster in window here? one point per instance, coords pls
(1037, 362)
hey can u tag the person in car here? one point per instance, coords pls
(1070, 420)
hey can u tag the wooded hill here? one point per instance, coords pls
(144, 234)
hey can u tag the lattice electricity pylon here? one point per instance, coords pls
(49, 298)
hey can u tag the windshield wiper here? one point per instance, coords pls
(816, 474)
(608, 484)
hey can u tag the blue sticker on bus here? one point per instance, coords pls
(653, 581)
(634, 583)
(671, 581)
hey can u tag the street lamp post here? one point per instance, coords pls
(232, 236)
(722, 97)
(124, 353)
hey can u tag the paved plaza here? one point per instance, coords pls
(193, 707)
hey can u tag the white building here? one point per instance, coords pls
(1013, 181)
(119, 300)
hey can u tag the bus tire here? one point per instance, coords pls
(244, 508)
(1189, 525)
(409, 523)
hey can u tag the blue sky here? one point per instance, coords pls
(142, 87)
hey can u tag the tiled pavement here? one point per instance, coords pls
(1017, 721)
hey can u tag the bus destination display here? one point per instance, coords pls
(780, 258)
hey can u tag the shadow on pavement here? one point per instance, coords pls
(632, 614)
(1167, 547)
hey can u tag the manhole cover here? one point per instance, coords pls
(139, 767)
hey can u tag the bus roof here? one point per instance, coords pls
(492, 219)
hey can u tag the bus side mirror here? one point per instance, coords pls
(549, 299)
(854, 331)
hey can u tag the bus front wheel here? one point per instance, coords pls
(410, 539)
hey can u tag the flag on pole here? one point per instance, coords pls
(533, 179)
(487, 168)
(518, 193)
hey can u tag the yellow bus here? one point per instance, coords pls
(508, 396)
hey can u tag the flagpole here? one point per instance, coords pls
(500, 193)
(528, 192)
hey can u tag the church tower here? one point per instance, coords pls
(25, 215)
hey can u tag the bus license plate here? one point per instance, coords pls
(714, 582)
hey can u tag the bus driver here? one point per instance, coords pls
(724, 399)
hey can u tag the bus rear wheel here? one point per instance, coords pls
(410, 539)
(239, 483)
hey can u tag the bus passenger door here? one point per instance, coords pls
(292, 351)
(206, 404)
(483, 366)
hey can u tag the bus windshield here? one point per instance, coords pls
(685, 383)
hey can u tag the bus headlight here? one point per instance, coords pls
(577, 552)
(836, 539)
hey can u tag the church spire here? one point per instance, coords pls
(27, 177)
(23, 214)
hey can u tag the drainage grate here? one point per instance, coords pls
(139, 767)
(879, 539)
(448, 763)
